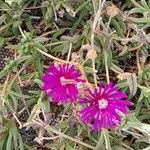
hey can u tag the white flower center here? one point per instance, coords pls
(79, 85)
(102, 103)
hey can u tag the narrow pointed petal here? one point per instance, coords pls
(57, 83)
(103, 107)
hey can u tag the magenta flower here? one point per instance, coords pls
(104, 107)
(61, 82)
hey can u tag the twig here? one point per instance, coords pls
(5, 86)
(135, 48)
(123, 144)
(96, 23)
(20, 125)
(52, 57)
(94, 2)
(136, 4)
(63, 61)
(69, 53)
(106, 66)
(94, 73)
(15, 77)
(105, 140)
(50, 138)
(55, 14)
(22, 33)
(51, 129)
(108, 25)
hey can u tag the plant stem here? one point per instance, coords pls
(94, 73)
(52, 57)
(106, 67)
(107, 140)
(64, 61)
(96, 23)
(69, 53)
(48, 128)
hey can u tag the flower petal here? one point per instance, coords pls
(105, 117)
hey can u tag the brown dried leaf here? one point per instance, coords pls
(116, 69)
(132, 83)
(141, 58)
(75, 57)
(123, 76)
(112, 11)
(131, 80)
(87, 47)
(91, 53)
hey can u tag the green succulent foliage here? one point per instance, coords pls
(27, 44)
(142, 8)
(11, 65)
(44, 28)
(119, 25)
(133, 125)
(145, 96)
(14, 16)
(144, 76)
(10, 137)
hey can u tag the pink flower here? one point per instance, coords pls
(61, 82)
(103, 107)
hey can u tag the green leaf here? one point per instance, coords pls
(132, 83)
(3, 139)
(118, 147)
(54, 146)
(80, 19)
(117, 27)
(29, 25)
(4, 71)
(116, 69)
(49, 13)
(2, 40)
(58, 48)
(9, 141)
(100, 144)
(20, 95)
(68, 146)
(45, 106)
(145, 5)
(62, 125)
(136, 10)
(139, 20)
(88, 69)
(15, 136)
(21, 145)
(69, 9)
(82, 6)
(121, 23)
(124, 51)
(39, 82)
(15, 29)
(2, 18)
(58, 33)
(14, 101)
(149, 3)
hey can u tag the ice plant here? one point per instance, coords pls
(104, 107)
(61, 82)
